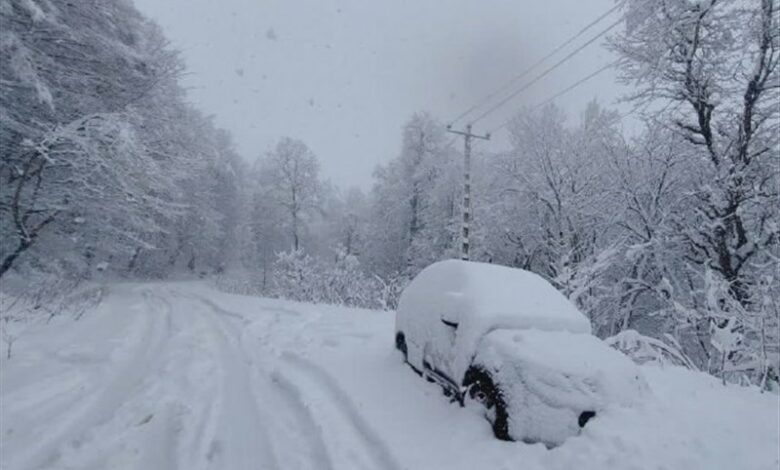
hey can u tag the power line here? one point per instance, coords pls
(577, 83)
(562, 92)
(451, 141)
(535, 64)
(547, 71)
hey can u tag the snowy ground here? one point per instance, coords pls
(164, 376)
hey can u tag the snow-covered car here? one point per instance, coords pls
(507, 341)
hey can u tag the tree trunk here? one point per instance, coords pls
(8, 261)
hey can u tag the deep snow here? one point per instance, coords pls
(166, 376)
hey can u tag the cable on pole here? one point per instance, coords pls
(562, 92)
(536, 64)
(547, 71)
(577, 83)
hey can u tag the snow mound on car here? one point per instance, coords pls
(549, 378)
(558, 362)
(483, 297)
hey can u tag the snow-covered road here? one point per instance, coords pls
(167, 376)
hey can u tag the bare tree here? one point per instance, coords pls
(714, 64)
(71, 78)
(290, 178)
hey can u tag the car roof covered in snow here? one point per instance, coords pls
(493, 296)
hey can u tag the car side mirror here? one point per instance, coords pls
(451, 309)
(449, 323)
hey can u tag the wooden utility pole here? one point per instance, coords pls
(467, 136)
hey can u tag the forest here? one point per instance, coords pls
(109, 173)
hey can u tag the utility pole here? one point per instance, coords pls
(467, 136)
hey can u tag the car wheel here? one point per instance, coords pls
(400, 344)
(483, 391)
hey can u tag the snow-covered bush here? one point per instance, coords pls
(344, 283)
(240, 281)
(298, 276)
(643, 349)
(29, 300)
(737, 341)
(390, 290)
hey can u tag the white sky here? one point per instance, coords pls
(344, 75)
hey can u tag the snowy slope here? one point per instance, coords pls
(164, 376)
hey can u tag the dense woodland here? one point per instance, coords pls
(108, 172)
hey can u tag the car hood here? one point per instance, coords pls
(548, 378)
(563, 369)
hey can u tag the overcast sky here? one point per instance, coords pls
(344, 75)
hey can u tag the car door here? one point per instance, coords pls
(439, 352)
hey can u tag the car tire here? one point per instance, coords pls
(400, 344)
(482, 389)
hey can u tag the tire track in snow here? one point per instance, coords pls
(241, 439)
(169, 445)
(48, 395)
(325, 420)
(297, 436)
(199, 433)
(100, 409)
(351, 441)
(303, 419)
(276, 335)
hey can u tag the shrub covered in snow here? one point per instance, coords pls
(643, 349)
(296, 275)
